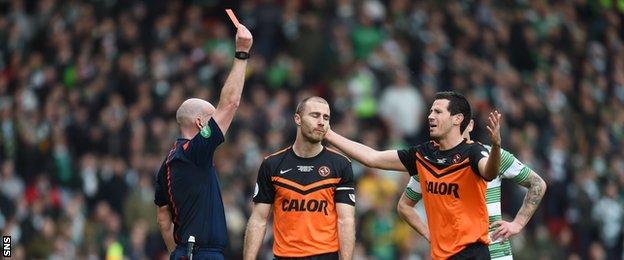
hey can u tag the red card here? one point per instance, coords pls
(232, 17)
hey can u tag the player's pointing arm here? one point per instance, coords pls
(387, 160)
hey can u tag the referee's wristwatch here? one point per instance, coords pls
(241, 55)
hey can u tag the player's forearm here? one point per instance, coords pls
(353, 149)
(407, 213)
(346, 236)
(493, 163)
(233, 87)
(536, 190)
(253, 237)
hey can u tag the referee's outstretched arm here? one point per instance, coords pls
(233, 87)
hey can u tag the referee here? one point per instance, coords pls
(187, 188)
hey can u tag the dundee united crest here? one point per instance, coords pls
(324, 171)
(456, 158)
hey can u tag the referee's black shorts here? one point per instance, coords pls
(474, 251)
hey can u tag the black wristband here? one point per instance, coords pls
(241, 55)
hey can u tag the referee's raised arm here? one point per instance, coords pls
(233, 87)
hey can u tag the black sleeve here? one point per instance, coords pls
(476, 153)
(203, 145)
(264, 191)
(408, 158)
(345, 191)
(160, 188)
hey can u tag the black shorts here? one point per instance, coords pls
(327, 256)
(474, 251)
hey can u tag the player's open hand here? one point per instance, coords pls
(244, 40)
(504, 230)
(494, 127)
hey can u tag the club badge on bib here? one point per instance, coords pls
(324, 171)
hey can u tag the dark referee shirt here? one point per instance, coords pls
(187, 182)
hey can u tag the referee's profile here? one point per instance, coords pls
(186, 185)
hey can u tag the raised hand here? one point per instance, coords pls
(244, 40)
(494, 127)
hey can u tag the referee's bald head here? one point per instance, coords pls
(193, 109)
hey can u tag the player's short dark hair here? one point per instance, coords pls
(302, 104)
(458, 104)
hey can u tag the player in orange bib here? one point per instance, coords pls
(311, 192)
(452, 174)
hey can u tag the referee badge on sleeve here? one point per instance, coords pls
(205, 131)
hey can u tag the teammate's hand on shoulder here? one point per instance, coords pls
(244, 40)
(493, 127)
(505, 230)
(329, 133)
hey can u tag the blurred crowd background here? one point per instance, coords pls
(89, 90)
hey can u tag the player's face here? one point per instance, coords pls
(440, 119)
(314, 121)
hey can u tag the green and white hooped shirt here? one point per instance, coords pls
(511, 168)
